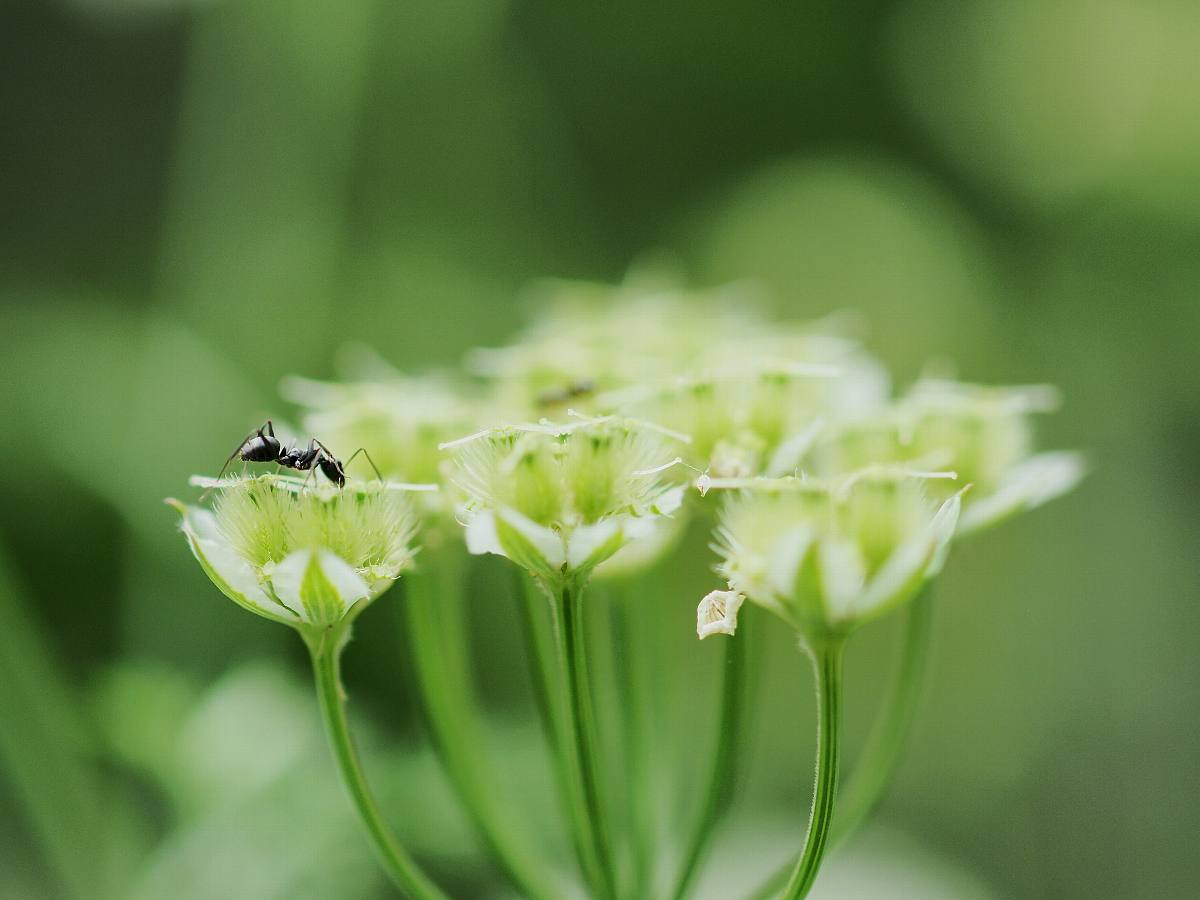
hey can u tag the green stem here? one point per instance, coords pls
(325, 649)
(885, 744)
(531, 603)
(827, 665)
(438, 641)
(631, 638)
(587, 811)
(719, 793)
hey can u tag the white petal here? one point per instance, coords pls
(900, 577)
(319, 585)
(642, 546)
(590, 545)
(718, 612)
(481, 534)
(668, 502)
(942, 529)
(1037, 480)
(787, 555)
(788, 455)
(532, 546)
(229, 571)
(843, 577)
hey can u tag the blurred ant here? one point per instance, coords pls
(262, 446)
(582, 387)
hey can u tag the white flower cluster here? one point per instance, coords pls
(836, 500)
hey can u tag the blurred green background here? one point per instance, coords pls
(200, 198)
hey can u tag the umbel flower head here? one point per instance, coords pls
(402, 419)
(558, 500)
(753, 401)
(985, 434)
(591, 339)
(311, 556)
(829, 556)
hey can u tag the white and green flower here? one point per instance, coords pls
(559, 500)
(402, 419)
(827, 557)
(985, 434)
(306, 555)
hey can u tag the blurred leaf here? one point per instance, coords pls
(139, 709)
(1060, 99)
(45, 748)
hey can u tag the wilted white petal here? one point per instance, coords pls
(718, 612)
(1033, 482)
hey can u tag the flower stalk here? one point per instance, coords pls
(437, 644)
(826, 659)
(587, 811)
(325, 647)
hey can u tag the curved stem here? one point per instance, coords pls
(720, 793)
(885, 744)
(587, 811)
(325, 650)
(438, 638)
(827, 665)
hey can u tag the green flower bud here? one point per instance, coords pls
(307, 555)
(827, 557)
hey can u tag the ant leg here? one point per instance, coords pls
(258, 432)
(363, 451)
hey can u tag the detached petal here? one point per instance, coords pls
(233, 575)
(321, 585)
(718, 612)
(1037, 480)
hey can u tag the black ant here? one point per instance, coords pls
(582, 387)
(262, 446)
